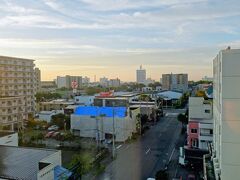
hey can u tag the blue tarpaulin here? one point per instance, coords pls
(60, 173)
(98, 111)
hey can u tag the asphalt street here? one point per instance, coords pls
(142, 158)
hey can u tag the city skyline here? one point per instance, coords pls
(112, 38)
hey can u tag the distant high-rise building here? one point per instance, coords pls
(66, 81)
(114, 82)
(17, 91)
(85, 80)
(38, 78)
(141, 75)
(103, 81)
(175, 82)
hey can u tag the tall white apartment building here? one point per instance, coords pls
(141, 75)
(226, 114)
(17, 91)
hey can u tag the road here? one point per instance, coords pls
(142, 158)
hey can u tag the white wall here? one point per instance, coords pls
(226, 112)
(47, 173)
(9, 140)
(47, 115)
(197, 108)
(88, 126)
(84, 100)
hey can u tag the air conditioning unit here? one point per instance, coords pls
(216, 166)
(217, 173)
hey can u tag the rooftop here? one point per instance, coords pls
(14, 58)
(97, 111)
(168, 95)
(21, 163)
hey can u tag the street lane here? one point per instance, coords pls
(151, 152)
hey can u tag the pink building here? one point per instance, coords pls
(200, 126)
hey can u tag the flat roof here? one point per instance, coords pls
(142, 106)
(21, 162)
(15, 58)
(112, 98)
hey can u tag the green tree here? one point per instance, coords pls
(144, 97)
(93, 90)
(182, 118)
(161, 175)
(59, 120)
(43, 96)
(83, 162)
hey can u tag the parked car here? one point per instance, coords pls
(53, 128)
(191, 177)
(56, 135)
(49, 134)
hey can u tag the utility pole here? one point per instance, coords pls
(97, 131)
(140, 120)
(113, 135)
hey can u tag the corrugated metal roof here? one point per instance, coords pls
(21, 163)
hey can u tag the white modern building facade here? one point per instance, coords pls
(17, 91)
(226, 114)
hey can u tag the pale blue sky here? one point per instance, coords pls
(113, 37)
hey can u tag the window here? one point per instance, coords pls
(195, 143)
(193, 130)
(207, 111)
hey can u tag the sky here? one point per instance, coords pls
(113, 38)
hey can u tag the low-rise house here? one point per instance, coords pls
(200, 125)
(147, 89)
(98, 122)
(84, 100)
(58, 104)
(47, 115)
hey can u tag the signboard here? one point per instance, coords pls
(74, 84)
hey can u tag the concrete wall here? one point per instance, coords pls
(197, 108)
